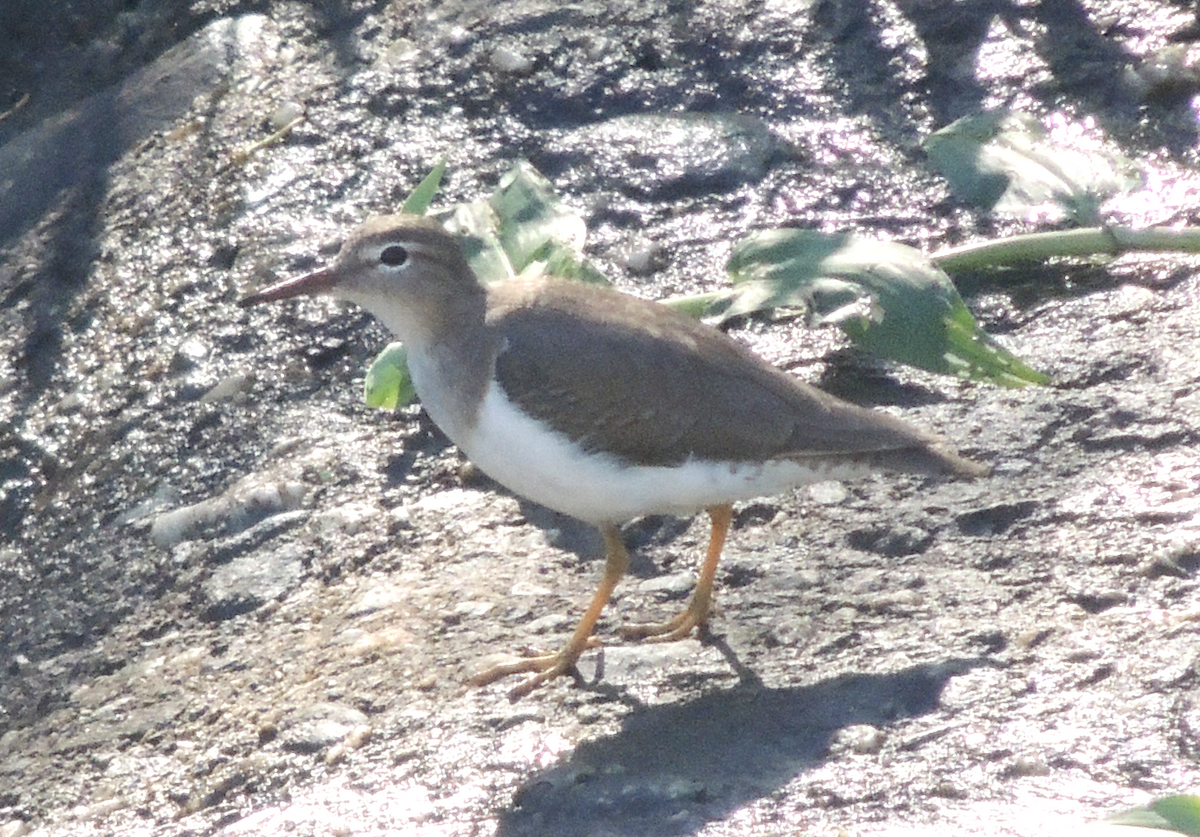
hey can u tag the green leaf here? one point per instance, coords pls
(538, 232)
(1009, 164)
(388, 384)
(698, 305)
(1171, 813)
(418, 202)
(475, 224)
(557, 259)
(888, 297)
(522, 229)
(528, 215)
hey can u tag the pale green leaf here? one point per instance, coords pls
(475, 225)
(529, 215)
(523, 228)
(418, 202)
(1179, 813)
(1009, 164)
(388, 384)
(888, 297)
(698, 305)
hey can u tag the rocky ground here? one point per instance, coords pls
(233, 600)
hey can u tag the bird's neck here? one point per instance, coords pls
(451, 356)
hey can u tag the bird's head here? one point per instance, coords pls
(404, 269)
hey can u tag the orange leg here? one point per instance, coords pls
(696, 612)
(548, 666)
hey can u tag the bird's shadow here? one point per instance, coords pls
(584, 541)
(673, 768)
(562, 531)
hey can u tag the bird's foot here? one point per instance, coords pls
(544, 667)
(693, 617)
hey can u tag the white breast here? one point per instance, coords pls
(542, 465)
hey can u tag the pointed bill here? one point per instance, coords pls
(318, 282)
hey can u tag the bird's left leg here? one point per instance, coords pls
(548, 666)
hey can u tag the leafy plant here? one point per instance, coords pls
(888, 297)
(1009, 164)
(1171, 813)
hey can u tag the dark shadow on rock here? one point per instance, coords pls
(673, 768)
(336, 22)
(859, 379)
(69, 244)
(584, 540)
(953, 34)
(566, 533)
(1087, 64)
(860, 51)
(60, 152)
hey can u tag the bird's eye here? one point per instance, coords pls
(393, 255)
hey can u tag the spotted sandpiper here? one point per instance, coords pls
(604, 406)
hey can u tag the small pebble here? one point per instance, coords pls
(189, 354)
(285, 114)
(354, 740)
(1028, 766)
(228, 387)
(399, 518)
(475, 609)
(644, 257)
(828, 493)
(858, 739)
(401, 50)
(508, 60)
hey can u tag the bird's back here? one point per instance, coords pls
(625, 373)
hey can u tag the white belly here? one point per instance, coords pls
(543, 466)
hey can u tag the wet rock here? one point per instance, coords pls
(320, 726)
(249, 582)
(115, 687)
(246, 502)
(61, 152)
(659, 156)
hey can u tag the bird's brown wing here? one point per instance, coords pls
(632, 377)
